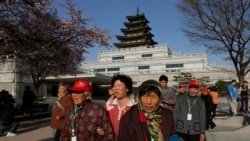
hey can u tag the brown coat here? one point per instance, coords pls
(61, 105)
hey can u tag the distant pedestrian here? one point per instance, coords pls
(232, 96)
(182, 89)
(169, 94)
(29, 98)
(63, 103)
(147, 121)
(86, 120)
(111, 94)
(208, 107)
(117, 107)
(214, 93)
(244, 97)
(7, 114)
(190, 114)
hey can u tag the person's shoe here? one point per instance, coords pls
(9, 134)
(213, 125)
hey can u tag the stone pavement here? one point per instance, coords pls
(227, 129)
(36, 130)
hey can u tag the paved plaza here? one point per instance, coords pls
(227, 129)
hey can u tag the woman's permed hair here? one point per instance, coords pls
(125, 79)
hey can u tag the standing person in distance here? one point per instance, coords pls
(147, 121)
(63, 103)
(214, 93)
(85, 119)
(244, 97)
(29, 98)
(190, 114)
(7, 114)
(232, 96)
(111, 94)
(117, 107)
(208, 107)
(169, 94)
(182, 89)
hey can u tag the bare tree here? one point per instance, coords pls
(222, 26)
(185, 77)
(45, 43)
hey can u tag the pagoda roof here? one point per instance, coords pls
(140, 36)
(138, 23)
(137, 32)
(137, 17)
(137, 44)
(133, 30)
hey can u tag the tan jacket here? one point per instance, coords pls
(61, 105)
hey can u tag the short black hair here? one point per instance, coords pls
(233, 81)
(163, 77)
(125, 79)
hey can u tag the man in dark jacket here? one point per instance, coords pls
(28, 100)
(190, 114)
(7, 114)
(147, 120)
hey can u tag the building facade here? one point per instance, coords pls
(149, 62)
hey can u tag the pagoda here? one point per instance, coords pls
(137, 32)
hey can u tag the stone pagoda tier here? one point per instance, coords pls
(137, 33)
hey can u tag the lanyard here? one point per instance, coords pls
(190, 106)
(76, 112)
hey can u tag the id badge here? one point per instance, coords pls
(73, 138)
(189, 116)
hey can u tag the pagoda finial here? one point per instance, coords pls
(138, 10)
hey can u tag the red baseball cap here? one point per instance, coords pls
(205, 90)
(182, 85)
(81, 86)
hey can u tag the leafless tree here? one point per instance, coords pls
(46, 43)
(222, 26)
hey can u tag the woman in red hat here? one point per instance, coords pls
(85, 119)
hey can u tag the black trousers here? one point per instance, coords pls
(57, 135)
(214, 110)
(9, 128)
(244, 103)
(28, 109)
(187, 137)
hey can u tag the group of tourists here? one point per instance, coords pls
(154, 113)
